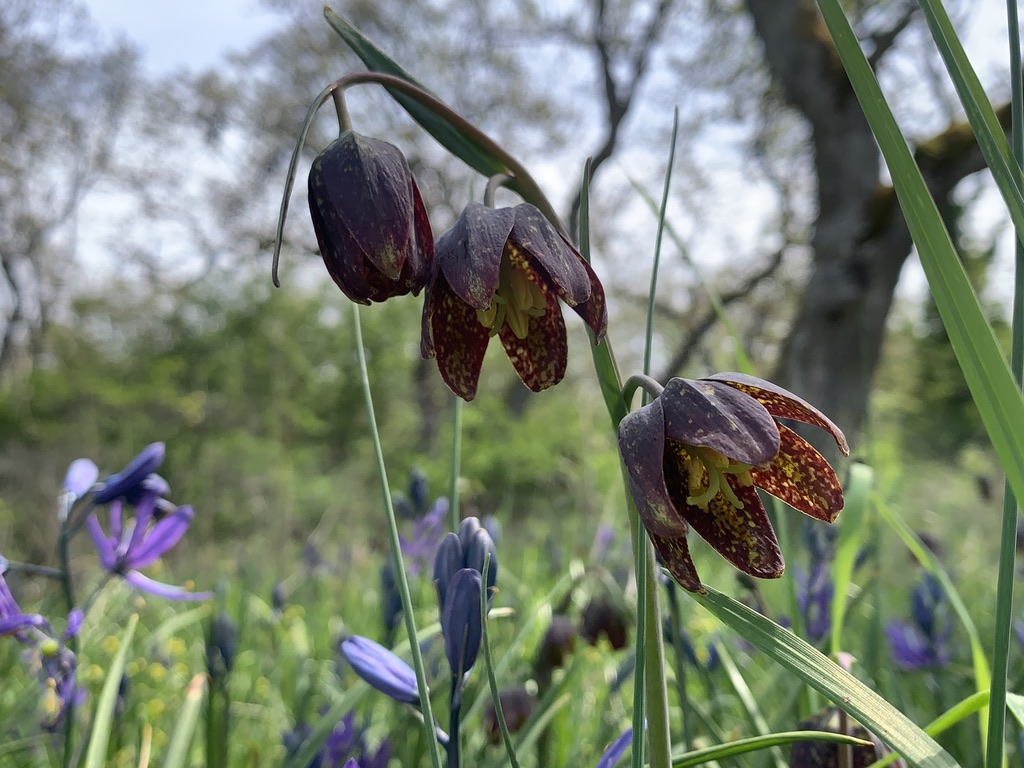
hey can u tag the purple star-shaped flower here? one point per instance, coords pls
(141, 542)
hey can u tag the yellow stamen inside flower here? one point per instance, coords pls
(706, 461)
(517, 298)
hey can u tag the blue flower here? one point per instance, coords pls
(468, 548)
(346, 740)
(428, 531)
(924, 642)
(141, 542)
(381, 668)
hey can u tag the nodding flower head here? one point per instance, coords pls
(696, 456)
(369, 219)
(500, 272)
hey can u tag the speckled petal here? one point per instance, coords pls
(744, 537)
(345, 263)
(642, 447)
(675, 556)
(533, 234)
(802, 478)
(594, 310)
(470, 252)
(709, 414)
(454, 335)
(539, 359)
(783, 404)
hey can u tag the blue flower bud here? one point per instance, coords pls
(418, 490)
(616, 750)
(461, 621)
(447, 561)
(381, 668)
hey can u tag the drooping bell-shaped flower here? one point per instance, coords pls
(501, 271)
(370, 222)
(696, 455)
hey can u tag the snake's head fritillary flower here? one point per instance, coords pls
(696, 456)
(369, 219)
(501, 271)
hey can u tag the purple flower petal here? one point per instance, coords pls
(161, 537)
(104, 546)
(13, 624)
(128, 479)
(616, 750)
(81, 476)
(461, 622)
(75, 620)
(381, 668)
(160, 589)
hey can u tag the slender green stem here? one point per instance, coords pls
(68, 587)
(454, 513)
(492, 681)
(31, 569)
(1008, 529)
(640, 557)
(396, 549)
(680, 653)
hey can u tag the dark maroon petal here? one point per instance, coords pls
(533, 234)
(642, 448)
(674, 553)
(783, 404)
(470, 252)
(421, 255)
(594, 310)
(456, 338)
(344, 261)
(708, 414)
(744, 537)
(539, 359)
(368, 183)
(802, 478)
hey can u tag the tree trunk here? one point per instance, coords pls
(860, 241)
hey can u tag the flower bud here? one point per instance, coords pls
(129, 480)
(381, 668)
(461, 621)
(369, 219)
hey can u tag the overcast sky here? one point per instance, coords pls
(191, 34)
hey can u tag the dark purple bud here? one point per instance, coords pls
(476, 555)
(129, 479)
(278, 596)
(418, 490)
(221, 647)
(370, 222)
(493, 527)
(467, 529)
(447, 561)
(517, 705)
(391, 604)
(461, 622)
(925, 600)
(603, 617)
(382, 669)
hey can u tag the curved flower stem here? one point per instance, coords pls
(640, 381)
(494, 183)
(396, 549)
(32, 569)
(526, 185)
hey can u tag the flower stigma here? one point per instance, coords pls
(701, 462)
(517, 298)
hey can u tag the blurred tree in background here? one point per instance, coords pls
(161, 324)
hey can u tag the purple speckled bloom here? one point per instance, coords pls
(381, 668)
(128, 481)
(140, 542)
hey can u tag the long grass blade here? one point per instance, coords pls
(818, 671)
(103, 720)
